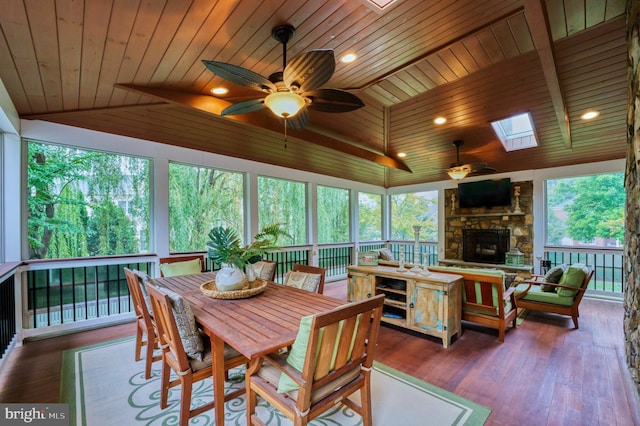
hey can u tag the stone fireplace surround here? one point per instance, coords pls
(519, 225)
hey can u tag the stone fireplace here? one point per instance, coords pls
(515, 227)
(485, 245)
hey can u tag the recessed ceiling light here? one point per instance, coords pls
(219, 90)
(402, 154)
(589, 115)
(348, 58)
(440, 120)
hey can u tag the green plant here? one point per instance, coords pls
(225, 246)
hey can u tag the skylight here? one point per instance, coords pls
(516, 132)
(380, 5)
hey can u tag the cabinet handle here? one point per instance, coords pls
(411, 305)
(368, 295)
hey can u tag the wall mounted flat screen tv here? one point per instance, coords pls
(485, 193)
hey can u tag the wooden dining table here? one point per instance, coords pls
(254, 326)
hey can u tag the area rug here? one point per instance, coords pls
(104, 386)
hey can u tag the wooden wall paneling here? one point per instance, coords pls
(15, 22)
(46, 50)
(114, 49)
(142, 30)
(70, 17)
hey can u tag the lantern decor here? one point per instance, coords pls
(416, 250)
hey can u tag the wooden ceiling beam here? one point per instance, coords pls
(214, 106)
(538, 20)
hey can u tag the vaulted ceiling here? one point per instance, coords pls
(133, 67)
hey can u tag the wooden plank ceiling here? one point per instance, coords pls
(133, 67)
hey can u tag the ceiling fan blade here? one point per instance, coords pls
(477, 166)
(244, 107)
(333, 100)
(240, 75)
(298, 121)
(309, 70)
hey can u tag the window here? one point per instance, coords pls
(74, 198)
(199, 199)
(417, 208)
(284, 202)
(333, 215)
(370, 217)
(586, 211)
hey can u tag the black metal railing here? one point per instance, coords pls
(8, 328)
(608, 267)
(65, 295)
(288, 257)
(335, 259)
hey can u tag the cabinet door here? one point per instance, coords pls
(427, 310)
(360, 286)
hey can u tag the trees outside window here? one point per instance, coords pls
(333, 215)
(586, 211)
(284, 202)
(417, 208)
(74, 203)
(369, 217)
(201, 198)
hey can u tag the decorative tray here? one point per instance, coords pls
(250, 289)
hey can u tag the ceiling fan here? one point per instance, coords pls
(459, 170)
(290, 93)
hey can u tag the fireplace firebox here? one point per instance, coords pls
(485, 245)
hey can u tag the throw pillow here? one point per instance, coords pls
(572, 277)
(264, 270)
(302, 280)
(186, 322)
(385, 254)
(553, 275)
(144, 279)
(181, 268)
(296, 354)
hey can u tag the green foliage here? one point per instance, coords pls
(225, 245)
(200, 197)
(64, 187)
(586, 208)
(418, 208)
(285, 202)
(370, 216)
(333, 215)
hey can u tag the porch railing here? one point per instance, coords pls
(8, 326)
(608, 277)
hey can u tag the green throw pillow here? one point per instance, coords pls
(572, 277)
(299, 350)
(296, 354)
(181, 268)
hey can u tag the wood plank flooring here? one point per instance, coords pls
(545, 373)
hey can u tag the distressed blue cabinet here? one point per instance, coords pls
(429, 304)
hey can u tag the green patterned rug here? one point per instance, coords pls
(104, 386)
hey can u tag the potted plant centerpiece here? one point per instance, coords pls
(225, 248)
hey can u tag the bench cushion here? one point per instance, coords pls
(536, 294)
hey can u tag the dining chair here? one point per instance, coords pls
(181, 265)
(330, 359)
(306, 277)
(186, 351)
(146, 333)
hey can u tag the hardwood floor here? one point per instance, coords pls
(545, 373)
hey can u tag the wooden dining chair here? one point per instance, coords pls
(186, 351)
(146, 333)
(306, 277)
(330, 359)
(182, 265)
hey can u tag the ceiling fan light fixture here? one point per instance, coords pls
(457, 173)
(284, 104)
